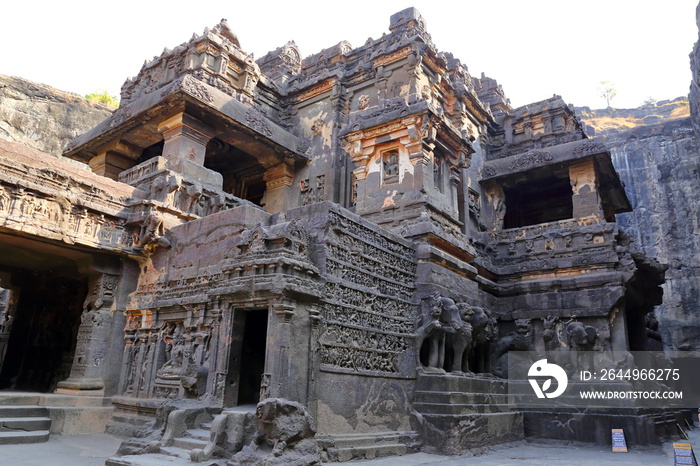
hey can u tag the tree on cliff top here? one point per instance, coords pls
(103, 97)
(607, 91)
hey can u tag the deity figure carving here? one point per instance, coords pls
(390, 165)
(175, 351)
(4, 200)
(152, 232)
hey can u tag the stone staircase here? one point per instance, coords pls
(67, 414)
(345, 447)
(192, 436)
(454, 413)
(24, 424)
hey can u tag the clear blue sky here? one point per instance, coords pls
(533, 48)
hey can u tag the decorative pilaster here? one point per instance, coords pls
(585, 198)
(279, 366)
(86, 376)
(278, 179)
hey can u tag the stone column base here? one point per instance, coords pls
(81, 387)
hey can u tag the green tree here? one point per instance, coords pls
(649, 102)
(607, 91)
(103, 97)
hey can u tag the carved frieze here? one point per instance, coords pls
(196, 89)
(392, 57)
(530, 159)
(325, 86)
(368, 296)
(257, 121)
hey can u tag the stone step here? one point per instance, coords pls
(370, 452)
(344, 447)
(25, 424)
(422, 396)
(200, 434)
(189, 443)
(23, 411)
(13, 438)
(158, 459)
(368, 439)
(460, 408)
(19, 398)
(51, 399)
(176, 452)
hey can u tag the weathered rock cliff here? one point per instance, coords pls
(659, 164)
(43, 117)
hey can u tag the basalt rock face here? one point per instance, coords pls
(43, 117)
(659, 164)
(695, 83)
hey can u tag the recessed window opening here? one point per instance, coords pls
(539, 201)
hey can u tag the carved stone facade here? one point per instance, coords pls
(359, 232)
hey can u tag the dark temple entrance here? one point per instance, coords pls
(44, 328)
(247, 364)
(40, 328)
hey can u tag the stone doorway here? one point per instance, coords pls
(43, 326)
(248, 355)
(48, 284)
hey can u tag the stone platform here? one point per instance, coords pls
(454, 413)
(70, 415)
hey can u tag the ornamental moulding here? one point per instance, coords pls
(325, 86)
(392, 57)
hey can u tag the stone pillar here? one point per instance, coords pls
(185, 148)
(114, 158)
(586, 201)
(186, 138)
(278, 363)
(314, 361)
(278, 179)
(86, 377)
(8, 309)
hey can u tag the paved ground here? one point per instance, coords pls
(92, 450)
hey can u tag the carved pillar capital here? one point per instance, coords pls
(114, 158)
(278, 179)
(284, 309)
(185, 138)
